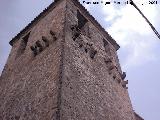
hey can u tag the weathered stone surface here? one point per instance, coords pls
(88, 90)
(73, 75)
(30, 84)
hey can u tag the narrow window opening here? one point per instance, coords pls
(81, 20)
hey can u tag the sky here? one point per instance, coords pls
(139, 52)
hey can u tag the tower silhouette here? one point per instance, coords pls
(64, 66)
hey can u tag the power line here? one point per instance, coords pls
(150, 24)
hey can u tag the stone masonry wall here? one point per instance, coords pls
(64, 72)
(91, 90)
(29, 84)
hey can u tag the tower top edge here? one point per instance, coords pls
(52, 6)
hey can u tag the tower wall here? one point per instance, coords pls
(89, 90)
(63, 67)
(29, 84)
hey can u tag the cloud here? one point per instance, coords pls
(132, 32)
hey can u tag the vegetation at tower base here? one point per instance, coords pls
(59, 69)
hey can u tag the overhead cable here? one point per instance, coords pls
(150, 24)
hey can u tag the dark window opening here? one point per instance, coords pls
(81, 20)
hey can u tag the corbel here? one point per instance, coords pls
(124, 83)
(38, 44)
(123, 75)
(53, 35)
(46, 41)
(34, 50)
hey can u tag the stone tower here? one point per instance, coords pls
(64, 66)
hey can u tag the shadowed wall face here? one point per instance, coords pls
(29, 82)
